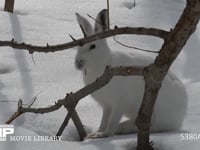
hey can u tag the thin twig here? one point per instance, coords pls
(33, 101)
(83, 31)
(108, 8)
(32, 57)
(94, 19)
(140, 49)
(73, 39)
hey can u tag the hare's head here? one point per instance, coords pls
(93, 55)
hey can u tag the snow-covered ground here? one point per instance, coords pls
(53, 74)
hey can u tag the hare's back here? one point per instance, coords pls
(127, 59)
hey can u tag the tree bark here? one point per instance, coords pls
(9, 5)
(155, 73)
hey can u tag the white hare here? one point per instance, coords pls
(123, 95)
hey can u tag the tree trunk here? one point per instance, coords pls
(143, 120)
(155, 73)
(9, 5)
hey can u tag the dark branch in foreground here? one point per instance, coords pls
(117, 31)
(70, 101)
(155, 73)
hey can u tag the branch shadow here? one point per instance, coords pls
(5, 111)
(22, 64)
(4, 107)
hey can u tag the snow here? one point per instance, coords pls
(53, 74)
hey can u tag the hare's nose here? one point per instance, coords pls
(79, 64)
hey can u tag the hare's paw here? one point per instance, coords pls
(97, 135)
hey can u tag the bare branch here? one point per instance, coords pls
(22, 110)
(84, 34)
(140, 49)
(40, 110)
(108, 8)
(70, 104)
(73, 39)
(13, 117)
(155, 73)
(105, 79)
(79, 42)
(79, 126)
(94, 19)
(72, 99)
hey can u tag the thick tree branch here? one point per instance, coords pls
(73, 99)
(155, 73)
(117, 31)
(179, 35)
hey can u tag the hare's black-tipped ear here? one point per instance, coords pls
(101, 23)
(85, 25)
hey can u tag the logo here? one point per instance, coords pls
(5, 130)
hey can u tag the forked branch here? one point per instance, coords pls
(71, 100)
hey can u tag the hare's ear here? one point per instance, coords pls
(85, 25)
(101, 23)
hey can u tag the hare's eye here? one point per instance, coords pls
(93, 46)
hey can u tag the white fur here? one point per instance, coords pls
(123, 95)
